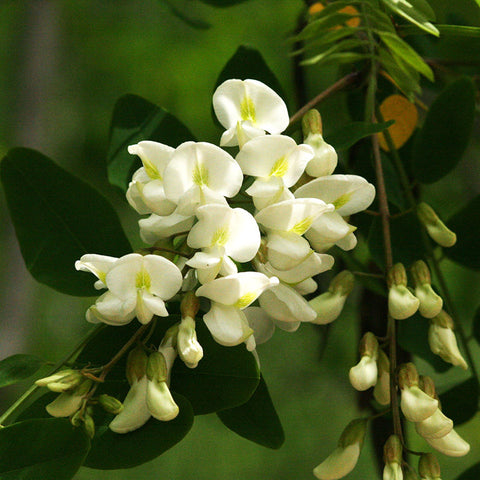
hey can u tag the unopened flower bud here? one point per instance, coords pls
(436, 426)
(392, 455)
(188, 347)
(452, 444)
(436, 229)
(430, 303)
(344, 458)
(427, 384)
(136, 365)
(329, 305)
(89, 425)
(160, 402)
(189, 305)
(416, 405)
(110, 404)
(312, 123)
(61, 381)
(428, 467)
(364, 375)
(67, 403)
(381, 392)
(77, 418)
(443, 342)
(157, 367)
(401, 301)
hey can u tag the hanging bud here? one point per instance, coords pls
(392, 455)
(89, 425)
(381, 392)
(157, 367)
(430, 303)
(401, 301)
(61, 381)
(329, 305)
(364, 375)
(452, 444)
(160, 402)
(438, 424)
(67, 403)
(188, 347)
(344, 458)
(443, 342)
(416, 405)
(436, 229)
(110, 404)
(428, 467)
(136, 365)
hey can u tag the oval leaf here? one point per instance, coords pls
(58, 218)
(461, 402)
(351, 133)
(113, 450)
(443, 139)
(467, 249)
(247, 62)
(18, 367)
(135, 119)
(42, 449)
(256, 420)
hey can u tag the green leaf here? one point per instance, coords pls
(192, 22)
(461, 402)
(111, 451)
(222, 3)
(326, 55)
(473, 473)
(400, 48)
(414, 15)
(18, 367)
(351, 133)
(327, 38)
(476, 325)
(40, 449)
(407, 243)
(256, 420)
(413, 337)
(320, 26)
(459, 30)
(247, 62)
(135, 119)
(467, 249)
(225, 377)
(424, 8)
(58, 218)
(443, 139)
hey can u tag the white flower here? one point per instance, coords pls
(247, 109)
(344, 458)
(277, 162)
(67, 403)
(99, 265)
(349, 194)
(364, 375)
(435, 426)
(188, 347)
(138, 286)
(156, 227)
(402, 303)
(229, 296)
(416, 405)
(452, 444)
(200, 173)
(325, 160)
(225, 234)
(145, 192)
(443, 342)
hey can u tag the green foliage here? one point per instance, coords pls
(461, 402)
(351, 133)
(417, 12)
(256, 420)
(58, 218)
(471, 474)
(476, 325)
(42, 449)
(135, 119)
(18, 367)
(441, 142)
(113, 451)
(467, 249)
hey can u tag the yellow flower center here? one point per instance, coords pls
(302, 226)
(143, 280)
(220, 237)
(247, 109)
(200, 175)
(245, 300)
(279, 168)
(342, 200)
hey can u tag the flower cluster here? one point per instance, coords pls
(234, 230)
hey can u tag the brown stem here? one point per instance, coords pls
(338, 85)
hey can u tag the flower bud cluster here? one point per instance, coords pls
(420, 405)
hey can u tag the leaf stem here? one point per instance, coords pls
(57, 367)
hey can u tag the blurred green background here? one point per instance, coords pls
(63, 64)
